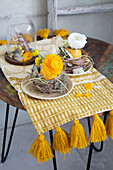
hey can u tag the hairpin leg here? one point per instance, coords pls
(4, 155)
(54, 158)
(92, 146)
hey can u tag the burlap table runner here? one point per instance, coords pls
(48, 114)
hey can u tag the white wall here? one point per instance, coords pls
(98, 25)
(35, 9)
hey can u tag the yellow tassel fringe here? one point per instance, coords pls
(98, 131)
(109, 124)
(78, 138)
(40, 149)
(61, 141)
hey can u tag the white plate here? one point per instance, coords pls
(30, 90)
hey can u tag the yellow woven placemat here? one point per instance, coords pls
(48, 114)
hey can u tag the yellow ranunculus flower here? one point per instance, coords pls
(27, 56)
(37, 61)
(52, 66)
(43, 33)
(61, 32)
(3, 42)
(35, 52)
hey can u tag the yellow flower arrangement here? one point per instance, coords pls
(3, 42)
(20, 48)
(22, 52)
(37, 61)
(52, 66)
(35, 52)
(27, 56)
(43, 33)
(61, 32)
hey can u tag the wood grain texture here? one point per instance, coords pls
(52, 14)
(8, 94)
(86, 9)
(96, 49)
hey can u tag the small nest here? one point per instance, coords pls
(56, 85)
(84, 62)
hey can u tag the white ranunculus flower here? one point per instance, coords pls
(77, 40)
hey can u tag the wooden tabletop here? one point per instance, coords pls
(101, 52)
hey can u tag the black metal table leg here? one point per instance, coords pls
(54, 158)
(4, 155)
(92, 146)
(89, 156)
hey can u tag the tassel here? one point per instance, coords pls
(40, 149)
(61, 141)
(98, 131)
(109, 124)
(78, 138)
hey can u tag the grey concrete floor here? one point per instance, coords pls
(23, 138)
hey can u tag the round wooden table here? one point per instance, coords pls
(102, 54)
